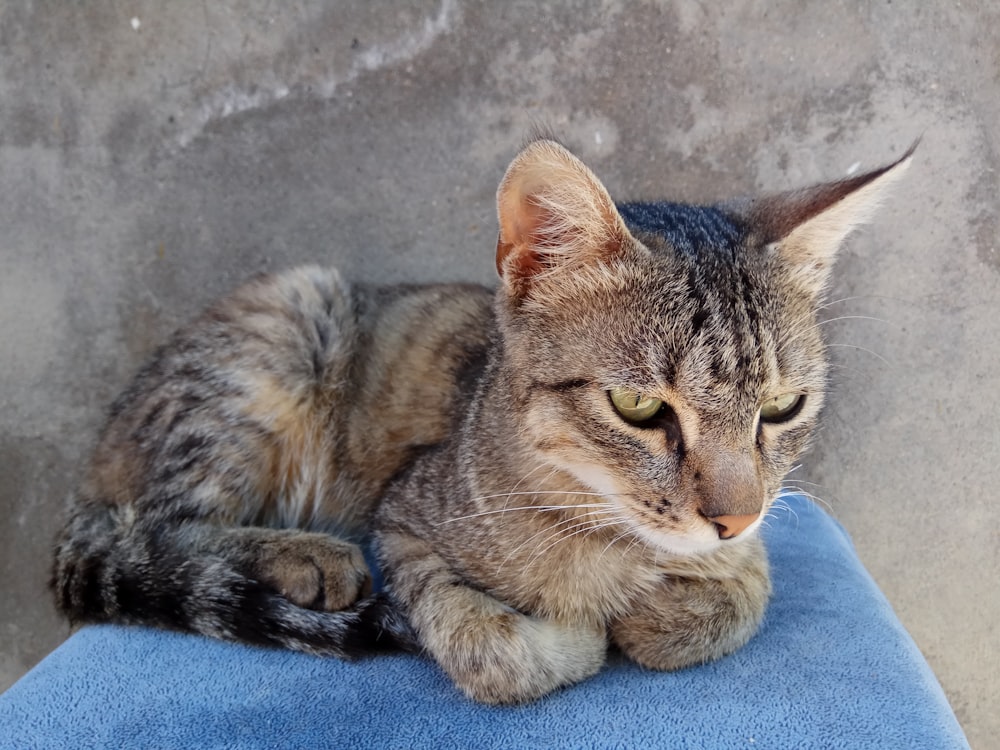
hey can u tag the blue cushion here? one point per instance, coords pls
(831, 667)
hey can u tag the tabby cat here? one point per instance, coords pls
(580, 458)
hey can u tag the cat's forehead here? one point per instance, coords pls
(685, 230)
(699, 305)
(697, 263)
(703, 308)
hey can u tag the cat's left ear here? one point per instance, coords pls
(554, 215)
(806, 227)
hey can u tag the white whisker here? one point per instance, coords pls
(522, 493)
(877, 356)
(792, 489)
(780, 504)
(524, 478)
(539, 508)
(806, 325)
(555, 529)
(831, 303)
(636, 539)
(843, 369)
(615, 541)
(561, 535)
(803, 481)
(852, 317)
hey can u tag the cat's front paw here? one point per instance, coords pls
(693, 621)
(494, 653)
(510, 658)
(315, 571)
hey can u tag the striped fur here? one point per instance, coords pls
(521, 522)
(235, 476)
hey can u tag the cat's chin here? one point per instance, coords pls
(692, 544)
(682, 545)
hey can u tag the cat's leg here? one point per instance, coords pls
(697, 617)
(492, 652)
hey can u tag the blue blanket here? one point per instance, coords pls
(831, 667)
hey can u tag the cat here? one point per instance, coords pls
(578, 459)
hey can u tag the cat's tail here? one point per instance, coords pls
(102, 573)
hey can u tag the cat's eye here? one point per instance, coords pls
(634, 406)
(781, 408)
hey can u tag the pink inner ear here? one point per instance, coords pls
(523, 264)
(531, 220)
(521, 233)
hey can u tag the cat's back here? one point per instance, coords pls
(311, 390)
(420, 352)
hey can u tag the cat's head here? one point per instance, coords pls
(666, 356)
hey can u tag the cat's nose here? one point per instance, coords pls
(732, 526)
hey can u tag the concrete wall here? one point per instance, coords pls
(153, 154)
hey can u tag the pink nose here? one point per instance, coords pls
(732, 526)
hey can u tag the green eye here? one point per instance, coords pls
(634, 406)
(781, 408)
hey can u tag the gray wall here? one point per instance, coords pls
(144, 171)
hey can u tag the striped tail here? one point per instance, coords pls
(103, 574)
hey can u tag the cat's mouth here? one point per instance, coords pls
(663, 526)
(701, 536)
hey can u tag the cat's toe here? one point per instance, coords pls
(298, 581)
(345, 577)
(317, 572)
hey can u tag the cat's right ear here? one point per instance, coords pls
(806, 227)
(554, 214)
